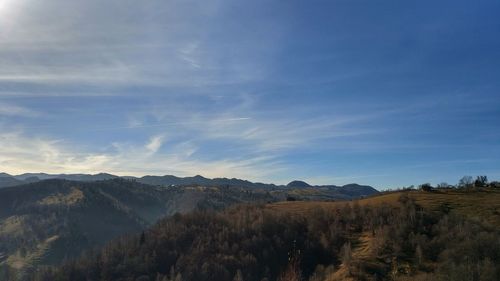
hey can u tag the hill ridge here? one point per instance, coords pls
(7, 180)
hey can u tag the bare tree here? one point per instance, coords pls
(443, 185)
(347, 256)
(465, 182)
(481, 181)
(418, 255)
(238, 276)
(292, 272)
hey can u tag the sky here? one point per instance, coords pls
(388, 93)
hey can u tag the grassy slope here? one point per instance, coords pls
(483, 204)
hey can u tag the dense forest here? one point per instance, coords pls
(252, 242)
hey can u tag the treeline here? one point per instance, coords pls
(254, 243)
(464, 183)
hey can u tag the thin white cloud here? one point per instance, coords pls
(266, 135)
(188, 53)
(186, 148)
(7, 109)
(155, 143)
(94, 43)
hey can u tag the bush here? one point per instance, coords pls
(426, 187)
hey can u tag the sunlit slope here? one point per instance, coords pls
(481, 204)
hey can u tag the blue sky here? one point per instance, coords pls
(387, 93)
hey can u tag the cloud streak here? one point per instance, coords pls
(7, 109)
(56, 45)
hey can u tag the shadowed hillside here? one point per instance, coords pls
(48, 221)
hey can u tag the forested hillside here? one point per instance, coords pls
(397, 240)
(46, 222)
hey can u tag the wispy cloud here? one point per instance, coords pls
(7, 109)
(155, 143)
(198, 143)
(105, 53)
(20, 153)
(246, 89)
(188, 53)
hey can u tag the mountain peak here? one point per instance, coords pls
(5, 175)
(298, 183)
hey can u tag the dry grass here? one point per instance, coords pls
(71, 198)
(18, 261)
(12, 226)
(481, 204)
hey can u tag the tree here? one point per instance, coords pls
(487, 271)
(443, 185)
(426, 187)
(418, 255)
(465, 182)
(481, 181)
(347, 256)
(292, 272)
(142, 239)
(238, 276)
(495, 184)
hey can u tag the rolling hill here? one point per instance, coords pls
(401, 236)
(480, 204)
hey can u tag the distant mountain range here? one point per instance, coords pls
(7, 180)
